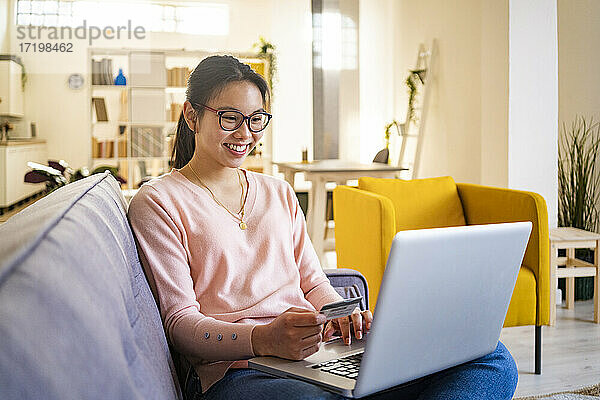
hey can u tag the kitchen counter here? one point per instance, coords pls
(14, 156)
(21, 142)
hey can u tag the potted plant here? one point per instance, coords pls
(383, 155)
(266, 51)
(579, 187)
(415, 77)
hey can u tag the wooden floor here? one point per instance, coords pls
(570, 352)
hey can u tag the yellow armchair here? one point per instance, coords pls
(368, 217)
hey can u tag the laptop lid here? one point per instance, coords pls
(444, 296)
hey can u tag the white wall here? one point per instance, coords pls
(4, 38)
(452, 140)
(493, 108)
(533, 100)
(376, 73)
(578, 59)
(494, 93)
(349, 82)
(62, 114)
(291, 32)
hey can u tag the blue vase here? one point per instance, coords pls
(120, 79)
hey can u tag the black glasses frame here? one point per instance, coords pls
(245, 118)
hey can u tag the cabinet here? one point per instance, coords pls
(14, 156)
(132, 127)
(11, 89)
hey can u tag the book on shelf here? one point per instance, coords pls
(103, 148)
(123, 115)
(100, 108)
(95, 148)
(178, 76)
(175, 111)
(102, 72)
(122, 147)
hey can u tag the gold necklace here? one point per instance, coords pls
(240, 216)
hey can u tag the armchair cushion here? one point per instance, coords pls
(522, 307)
(420, 203)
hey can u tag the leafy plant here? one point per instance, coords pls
(266, 51)
(415, 76)
(578, 180)
(388, 131)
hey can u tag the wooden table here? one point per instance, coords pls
(321, 172)
(571, 239)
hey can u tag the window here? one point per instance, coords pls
(191, 18)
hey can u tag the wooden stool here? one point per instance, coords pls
(571, 239)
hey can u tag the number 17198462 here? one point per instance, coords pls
(45, 47)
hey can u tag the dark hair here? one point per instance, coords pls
(208, 79)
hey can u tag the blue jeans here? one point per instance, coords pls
(488, 378)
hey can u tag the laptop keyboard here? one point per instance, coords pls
(344, 366)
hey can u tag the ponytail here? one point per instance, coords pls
(205, 82)
(184, 146)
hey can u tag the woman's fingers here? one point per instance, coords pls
(368, 319)
(309, 351)
(361, 322)
(344, 325)
(356, 318)
(310, 332)
(312, 340)
(329, 330)
(307, 318)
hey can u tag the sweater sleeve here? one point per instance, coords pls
(314, 283)
(165, 260)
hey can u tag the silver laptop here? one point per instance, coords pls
(443, 299)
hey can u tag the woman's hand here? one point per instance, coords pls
(295, 335)
(361, 322)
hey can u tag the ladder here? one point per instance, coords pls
(413, 128)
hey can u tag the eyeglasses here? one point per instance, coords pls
(230, 120)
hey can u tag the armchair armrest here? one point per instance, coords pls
(486, 205)
(364, 229)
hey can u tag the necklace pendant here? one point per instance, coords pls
(243, 225)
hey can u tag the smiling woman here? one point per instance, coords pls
(230, 261)
(227, 249)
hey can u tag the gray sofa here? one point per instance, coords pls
(77, 317)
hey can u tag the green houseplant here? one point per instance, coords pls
(416, 77)
(266, 51)
(579, 186)
(388, 132)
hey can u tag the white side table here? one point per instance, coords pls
(571, 239)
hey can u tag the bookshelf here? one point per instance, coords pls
(132, 127)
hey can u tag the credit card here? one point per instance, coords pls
(340, 309)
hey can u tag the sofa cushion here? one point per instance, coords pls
(77, 318)
(420, 203)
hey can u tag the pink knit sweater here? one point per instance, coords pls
(213, 281)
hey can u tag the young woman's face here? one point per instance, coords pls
(229, 148)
